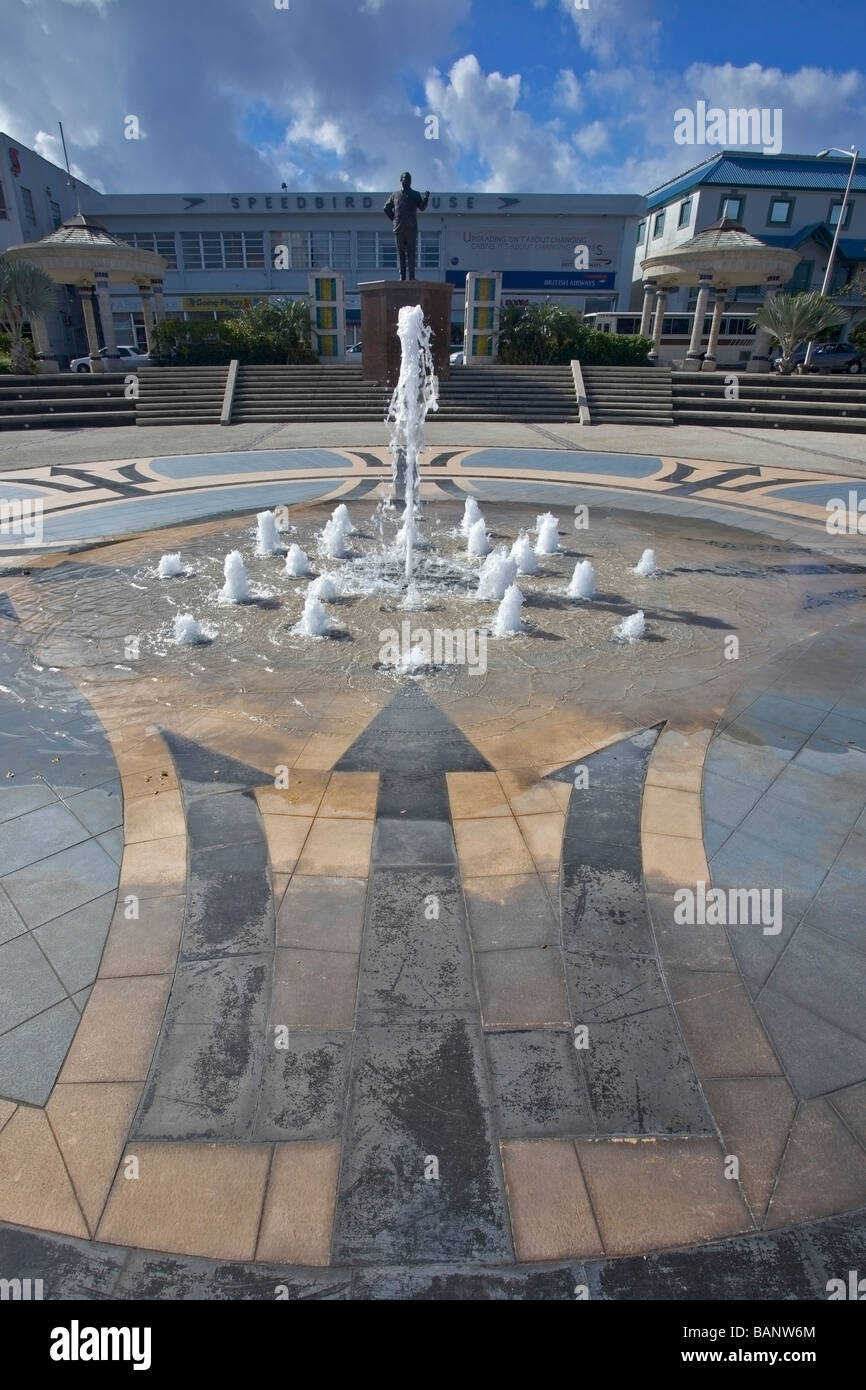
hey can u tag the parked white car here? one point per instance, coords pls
(456, 358)
(126, 357)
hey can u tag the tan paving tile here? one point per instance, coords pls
(148, 783)
(543, 837)
(754, 1115)
(670, 811)
(314, 989)
(300, 798)
(526, 792)
(685, 777)
(693, 947)
(118, 1030)
(285, 836)
(299, 1205)
(91, 1123)
(192, 1199)
(720, 1024)
(323, 750)
(34, 1185)
(654, 1194)
(338, 847)
(823, 1171)
(153, 817)
(351, 795)
(673, 861)
(522, 987)
(492, 845)
(156, 868)
(476, 794)
(146, 945)
(7, 1110)
(144, 755)
(551, 1215)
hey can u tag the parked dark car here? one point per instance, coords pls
(829, 357)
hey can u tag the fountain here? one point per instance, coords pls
(342, 519)
(324, 589)
(297, 562)
(187, 632)
(646, 565)
(547, 530)
(267, 536)
(314, 621)
(507, 620)
(416, 392)
(471, 514)
(170, 566)
(237, 586)
(582, 583)
(523, 553)
(631, 629)
(478, 544)
(332, 541)
(498, 572)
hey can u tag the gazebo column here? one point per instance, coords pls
(158, 301)
(760, 358)
(693, 356)
(85, 294)
(147, 314)
(649, 289)
(709, 363)
(106, 316)
(661, 303)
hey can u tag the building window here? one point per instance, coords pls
(802, 277)
(4, 212)
(685, 213)
(162, 243)
(56, 215)
(377, 251)
(659, 224)
(731, 207)
(223, 250)
(641, 232)
(428, 251)
(833, 217)
(27, 200)
(314, 250)
(780, 212)
(341, 250)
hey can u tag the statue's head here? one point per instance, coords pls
(406, 180)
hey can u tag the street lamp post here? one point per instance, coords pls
(853, 155)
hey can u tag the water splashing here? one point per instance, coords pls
(498, 572)
(187, 632)
(631, 629)
(332, 541)
(297, 562)
(582, 581)
(507, 620)
(478, 544)
(267, 536)
(314, 621)
(416, 393)
(170, 566)
(324, 588)
(471, 514)
(547, 529)
(237, 586)
(646, 566)
(342, 519)
(523, 553)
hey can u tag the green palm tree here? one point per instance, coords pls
(794, 319)
(25, 291)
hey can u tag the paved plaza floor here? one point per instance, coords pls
(533, 977)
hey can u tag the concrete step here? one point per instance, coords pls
(59, 420)
(768, 420)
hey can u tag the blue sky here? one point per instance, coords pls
(529, 95)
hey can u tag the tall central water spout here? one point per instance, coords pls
(416, 392)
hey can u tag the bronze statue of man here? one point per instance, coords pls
(402, 208)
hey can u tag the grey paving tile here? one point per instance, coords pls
(37, 835)
(386, 1210)
(827, 977)
(411, 844)
(112, 842)
(322, 913)
(10, 922)
(230, 819)
(639, 1075)
(513, 910)
(817, 1056)
(538, 1084)
(726, 802)
(751, 731)
(73, 943)
(56, 885)
(745, 861)
(229, 904)
(797, 833)
(17, 799)
(75, 772)
(715, 836)
(757, 951)
(771, 707)
(27, 983)
(522, 987)
(155, 1276)
(834, 759)
(304, 1087)
(845, 729)
(70, 1270)
(749, 763)
(751, 1267)
(603, 903)
(411, 963)
(434, 1283)
(81, 997)
(99, 808)
(32, 1054)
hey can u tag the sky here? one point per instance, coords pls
(519, 96)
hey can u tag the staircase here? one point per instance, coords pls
(180, 395)
(628, 395)
(508, 393)
(306, 394)
(65, 400)
(769, 401)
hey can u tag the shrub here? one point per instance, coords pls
(547, 334)
(271, 333)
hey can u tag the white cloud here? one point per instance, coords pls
(592, 138)
(566, 90)
(610, 28)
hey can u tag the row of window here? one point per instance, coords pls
(29, 208)
(288, 250)
(732, 206)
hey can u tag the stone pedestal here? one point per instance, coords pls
(381, 302)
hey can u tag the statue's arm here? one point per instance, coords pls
(388, 209)
(422, 202)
